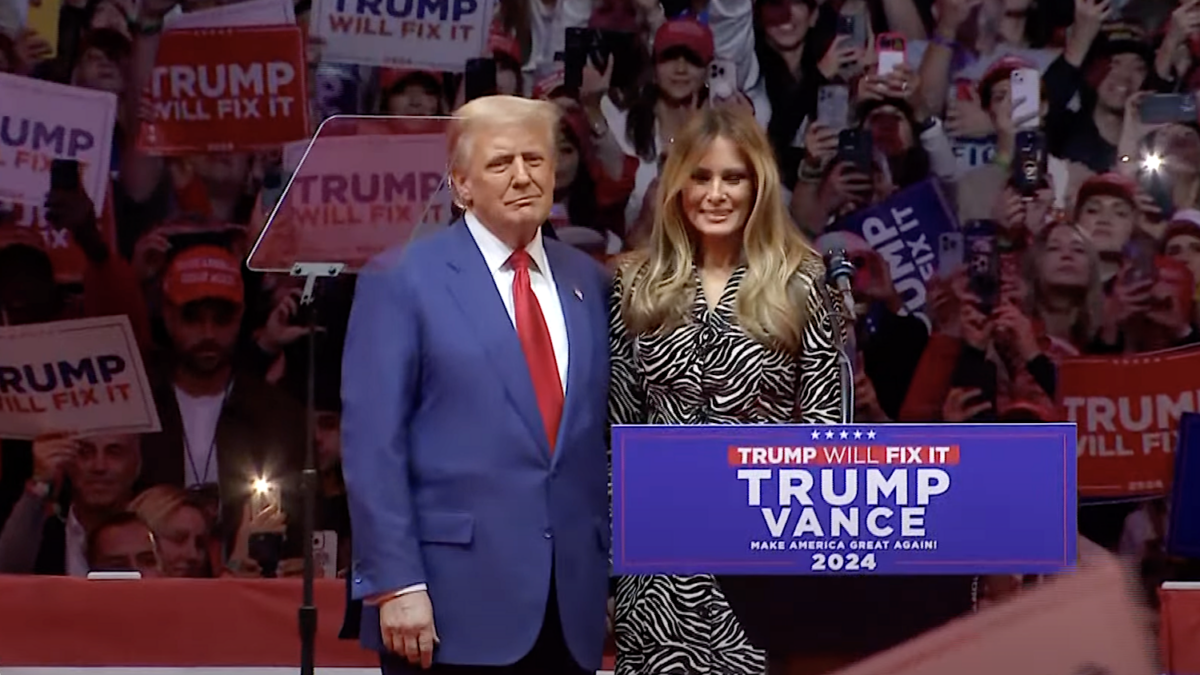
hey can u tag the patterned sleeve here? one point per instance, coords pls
(626, 396)
(819, 396)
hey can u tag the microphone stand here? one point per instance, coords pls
(838, 268)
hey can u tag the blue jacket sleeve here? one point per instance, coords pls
(380, 376)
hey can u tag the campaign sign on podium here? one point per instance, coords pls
(854, 499)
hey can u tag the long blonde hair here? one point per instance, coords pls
(658, 279)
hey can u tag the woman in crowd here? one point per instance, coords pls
(1065, 293)
(181, 530)
(683, 48)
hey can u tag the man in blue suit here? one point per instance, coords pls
(474, 388)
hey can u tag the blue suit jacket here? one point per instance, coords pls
(450, 477)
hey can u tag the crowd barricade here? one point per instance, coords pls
(61, 625)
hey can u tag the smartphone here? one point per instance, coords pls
(722, 79)
(891, 50)
(1157, 185)
(950, 252)
(855, 147)
(480, 78)
(1025, 87)
(1168, 109)
(64, 175)
(982, 259)
(577, 49)
(854, 26)
(833, 106)
(325, 552)
(1029, 163)
(623, 48)
(1139, 253)
(264, 494)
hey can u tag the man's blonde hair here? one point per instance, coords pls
(494, 112)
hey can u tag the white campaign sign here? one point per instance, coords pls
(236, 15)
(435, 35)
(82, 376)
(43, 121)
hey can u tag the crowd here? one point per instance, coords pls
(1098, 243)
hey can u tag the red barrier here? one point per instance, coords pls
(66, 622)
(1179, 633)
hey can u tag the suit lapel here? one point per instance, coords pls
(474, 289)
(579, 335)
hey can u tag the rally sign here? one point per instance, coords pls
(855, 499)
(353, 197)
(1128, 410)
(216, 90)
(435, 35)
(904, 230)
(1084, 623)
(41, 121)
(82, 376)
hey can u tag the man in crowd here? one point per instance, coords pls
(123, 543)
(222, 428)
(76, 485)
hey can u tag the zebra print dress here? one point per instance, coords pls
(708, 371)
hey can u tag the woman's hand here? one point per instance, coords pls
(968, 119)
(1014, 331)
(964, 404)
(845, 187)
(268, 520)
(839, 58)
(820, 145)
(150, 255)
(976, 326)
(595, 83)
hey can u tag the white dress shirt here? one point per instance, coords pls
(76, 546)
(541, 278)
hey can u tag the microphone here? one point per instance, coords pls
(838, 273)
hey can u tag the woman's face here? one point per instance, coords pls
(183, 543)
(680, 75)
(1108, 222)
(785, 23)
(506, 81)
(1064, 262)
(568, 164)
(719, 193)
(415, 100)
(1186, 249)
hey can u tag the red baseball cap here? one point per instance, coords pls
(1109, 184)
(687, 33)
(203, 273)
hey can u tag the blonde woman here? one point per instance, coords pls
(717, 319)
(180, 528)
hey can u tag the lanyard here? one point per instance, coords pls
(202, 478)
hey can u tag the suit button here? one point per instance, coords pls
(548, 534)
(358, 580)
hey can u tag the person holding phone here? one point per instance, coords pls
(683, 50)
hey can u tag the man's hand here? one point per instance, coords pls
(406, 623)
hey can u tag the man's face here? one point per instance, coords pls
(125, 547)
(508, 179)
(203, 333)
(1126, 73)
(98, 71)
(104, 471)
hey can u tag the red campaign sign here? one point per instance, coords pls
(216, 90)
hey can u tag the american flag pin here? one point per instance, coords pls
(579, 295)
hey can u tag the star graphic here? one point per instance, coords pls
(844, 434)
(871, 435)
(816, 434)
(828, 434)
(857, 433)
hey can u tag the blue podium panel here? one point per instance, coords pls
(855, 499)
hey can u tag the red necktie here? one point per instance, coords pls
(535, 342)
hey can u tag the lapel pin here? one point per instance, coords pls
(579, 295)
